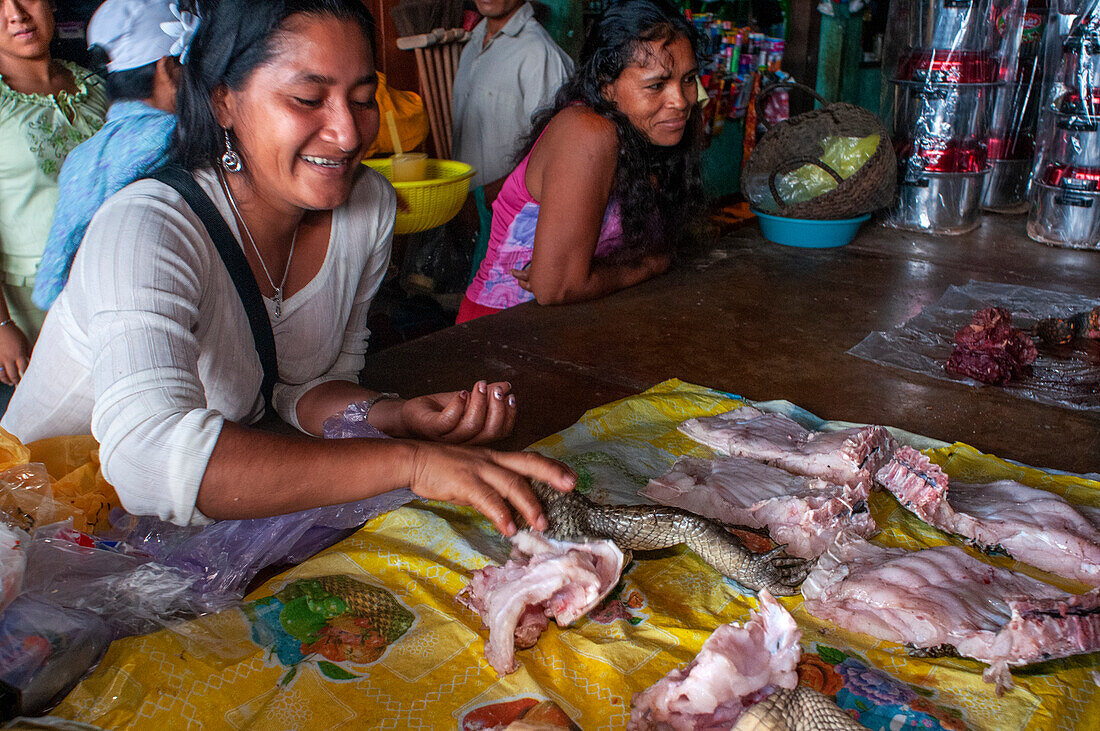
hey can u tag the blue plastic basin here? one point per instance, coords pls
(807, 233)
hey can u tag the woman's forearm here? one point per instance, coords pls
(602, 279)
(253, 474)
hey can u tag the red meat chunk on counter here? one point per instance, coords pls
(991, 350)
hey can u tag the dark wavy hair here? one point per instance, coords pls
(664, 180)
(235, 37)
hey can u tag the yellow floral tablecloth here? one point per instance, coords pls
(368, 635)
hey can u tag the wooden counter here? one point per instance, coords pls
(770, 322)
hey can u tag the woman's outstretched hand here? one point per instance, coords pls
(483, 414)
(494, 483)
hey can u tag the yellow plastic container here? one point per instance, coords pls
(432, 202)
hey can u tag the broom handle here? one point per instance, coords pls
(441, 97)
(448, 80)
(429, 102)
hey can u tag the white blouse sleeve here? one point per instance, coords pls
(371, 214)
(150, 417)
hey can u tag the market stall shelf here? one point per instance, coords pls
(368, 632)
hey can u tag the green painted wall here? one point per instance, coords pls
(564, 21)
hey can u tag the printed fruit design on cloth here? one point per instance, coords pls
(339, 618)
(871, 696)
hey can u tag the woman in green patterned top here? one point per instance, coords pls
(47, 107)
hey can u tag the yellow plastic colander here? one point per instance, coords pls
(425, 204)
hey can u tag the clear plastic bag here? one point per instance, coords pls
(1064, 375)
(131, 592)
(26, 499)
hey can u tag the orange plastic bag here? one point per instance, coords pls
(73, 465)
(53, 479)
(409, 113)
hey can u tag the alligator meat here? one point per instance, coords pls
(737, 666)
(544, 578)
(844, 457)
(804, 513)
(943, 596)
(1034, 526)
(990, 350)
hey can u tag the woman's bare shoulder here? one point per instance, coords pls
(580, 129)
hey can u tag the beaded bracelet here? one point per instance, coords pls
(8, 321)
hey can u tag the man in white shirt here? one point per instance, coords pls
(509, 69)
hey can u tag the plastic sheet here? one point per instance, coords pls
(1062, 375)
(431, 672)
(77, 592)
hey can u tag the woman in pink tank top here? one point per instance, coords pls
(608, 176)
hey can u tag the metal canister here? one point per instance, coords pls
(1076, 138)
(939, 186)
(1081, 56)
(958, 111)
(1015, 119)
(1006, 187)
(1067, 207)
(939, 203)
(947, 66)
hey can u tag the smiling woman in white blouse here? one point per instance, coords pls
(157, 349)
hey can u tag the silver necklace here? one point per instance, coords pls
(293, 239)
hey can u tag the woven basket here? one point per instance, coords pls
(794, 142)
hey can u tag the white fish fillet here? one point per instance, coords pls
(543, 579)
(944, 596)
(845, 457)
(736, 667)
(804, 513)
(1037, 527)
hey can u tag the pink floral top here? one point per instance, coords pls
(512, 241)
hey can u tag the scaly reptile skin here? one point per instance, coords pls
(572, 516)
(801, 709)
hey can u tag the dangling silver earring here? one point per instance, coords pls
(231, 161)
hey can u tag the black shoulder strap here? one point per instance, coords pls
(235, 262)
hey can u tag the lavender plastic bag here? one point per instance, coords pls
(227, 555)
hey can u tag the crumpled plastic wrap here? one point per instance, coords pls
(1066, 375)
(13, 561)
(125, 586)
(45, 649)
